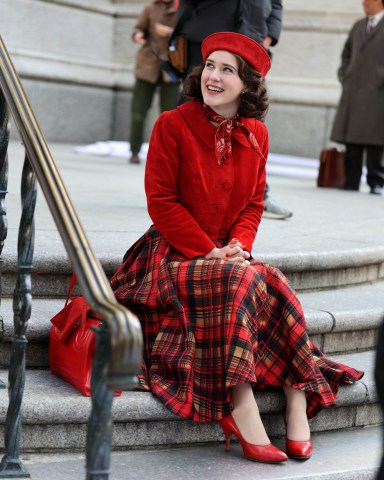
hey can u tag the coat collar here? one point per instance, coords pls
(366, 39)
(194, 116)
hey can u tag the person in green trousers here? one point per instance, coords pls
(152, 31)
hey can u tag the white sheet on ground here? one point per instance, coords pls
(110, 149)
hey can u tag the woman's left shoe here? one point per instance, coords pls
(300, 450)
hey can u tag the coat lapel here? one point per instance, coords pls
(379, 28)
(369, 37)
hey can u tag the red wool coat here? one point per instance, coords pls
(193, 200)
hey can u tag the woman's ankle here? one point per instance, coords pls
(296, 415)
(251, 426)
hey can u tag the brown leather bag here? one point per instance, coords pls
(331, 168)
(177, 53)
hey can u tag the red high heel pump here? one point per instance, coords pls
(300, 450)
(256, 453)
(297, 449)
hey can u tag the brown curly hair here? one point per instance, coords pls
(254, 101)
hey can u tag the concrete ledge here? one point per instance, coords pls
(68, 69)
(305, 271)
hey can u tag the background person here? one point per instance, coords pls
(217, 323)
(359, 121)
(152, 30)
(258, 19)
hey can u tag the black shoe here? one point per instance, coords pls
(376, 190)
(134, 158)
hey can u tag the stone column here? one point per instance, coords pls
(303, 81)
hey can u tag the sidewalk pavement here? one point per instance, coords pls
(339, 455)
(108, 195)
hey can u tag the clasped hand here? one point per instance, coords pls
(233, 252)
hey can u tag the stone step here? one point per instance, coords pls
(55, 415)
(325, 270)
(306, 271)
(341, 320)
(344, 319)
(352, 454)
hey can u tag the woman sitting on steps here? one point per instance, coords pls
(219, 325)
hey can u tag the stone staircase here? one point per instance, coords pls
(342, 321)
(342, 295)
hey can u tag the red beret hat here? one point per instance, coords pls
(248, 49)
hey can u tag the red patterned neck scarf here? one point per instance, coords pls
(223, 141)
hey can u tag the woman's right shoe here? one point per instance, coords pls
(256, 453)
(297, 449)
(300, 450)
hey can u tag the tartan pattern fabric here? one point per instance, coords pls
(211, 324)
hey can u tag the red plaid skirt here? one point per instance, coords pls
(210, 324)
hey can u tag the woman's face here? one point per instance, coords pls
(221, 85)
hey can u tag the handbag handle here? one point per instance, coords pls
(72, 284)
(73, 314)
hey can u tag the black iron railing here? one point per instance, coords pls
(118, 340)
(4, 139)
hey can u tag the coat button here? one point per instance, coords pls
(227, 185)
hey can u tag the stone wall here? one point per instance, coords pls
(303, 82)
(75, 58)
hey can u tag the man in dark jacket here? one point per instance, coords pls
(359, 122)
(258, 19)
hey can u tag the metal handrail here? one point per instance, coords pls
(123, 326)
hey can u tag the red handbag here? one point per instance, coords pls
(72, 342)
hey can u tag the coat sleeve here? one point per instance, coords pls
(142, 24)
(169, 216)
(253, 21)
(247, 223)
(345, 58)
(274, 21)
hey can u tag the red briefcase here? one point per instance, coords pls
(331, 168)
(72, 342)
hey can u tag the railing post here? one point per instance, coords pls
(4, 140)
(10, 466)
(99, 433)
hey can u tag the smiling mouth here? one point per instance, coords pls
(210, 88)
